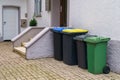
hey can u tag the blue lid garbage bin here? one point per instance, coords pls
(58, 43)
(96, 54)
(82, 50)
(69, 45)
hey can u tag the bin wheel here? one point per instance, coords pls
(106, 70)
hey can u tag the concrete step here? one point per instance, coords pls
(20, 50)
(25, 43)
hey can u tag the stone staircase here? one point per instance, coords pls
(34, 43)
(21, 49)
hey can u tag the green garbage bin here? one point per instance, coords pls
(96, 54)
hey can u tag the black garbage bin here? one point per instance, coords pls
(69, 46)
(82, 50)
(58, 43)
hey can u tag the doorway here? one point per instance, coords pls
(63, 13)
(10, 22)
(59, 13)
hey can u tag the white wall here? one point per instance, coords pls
(101, 17)
(45, 20)
(20, 3)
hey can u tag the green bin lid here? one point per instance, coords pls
(96, 39)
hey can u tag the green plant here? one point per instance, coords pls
(33, 22)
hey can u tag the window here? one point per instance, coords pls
(38, 8)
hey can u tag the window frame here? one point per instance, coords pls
(38, 8)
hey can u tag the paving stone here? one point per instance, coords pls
(15, 67)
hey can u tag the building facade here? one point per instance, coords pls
(99, 17)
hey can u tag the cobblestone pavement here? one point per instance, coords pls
(15, 67)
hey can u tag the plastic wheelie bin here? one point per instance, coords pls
(96, 54)
(69, 45)
(58, 50)
(82, 50)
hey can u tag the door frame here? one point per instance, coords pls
(67, 15)
(5, 6)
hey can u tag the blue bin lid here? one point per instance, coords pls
(58, 29)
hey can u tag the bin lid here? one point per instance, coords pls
(58, 29)
(75, 31)
(82, 37)
(97, 39)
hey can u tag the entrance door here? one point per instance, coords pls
(63, 12)
(10, 22)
